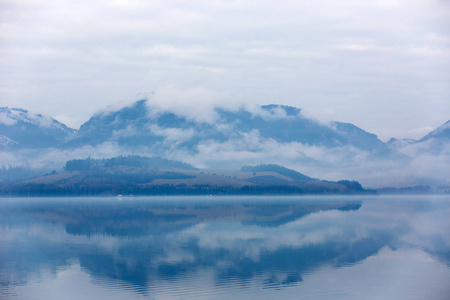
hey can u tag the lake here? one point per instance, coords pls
(306, 247)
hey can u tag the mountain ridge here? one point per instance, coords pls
(139, 125)
(135, 124)
(228, 138)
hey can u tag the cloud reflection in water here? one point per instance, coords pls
(157, 247)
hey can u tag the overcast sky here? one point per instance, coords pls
(383, 65)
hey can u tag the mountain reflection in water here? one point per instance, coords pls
(145, 244)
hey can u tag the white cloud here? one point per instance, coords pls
(196, 104)
(177, 135)
(80, 56)
(267, 114)
(6, 119)
(53, 158)
(12, 116)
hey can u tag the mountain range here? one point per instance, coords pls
(226, 138)
(140, 125)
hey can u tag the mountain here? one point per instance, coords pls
(441, 133)
(437, 142)
(142, 125)
(22, 129)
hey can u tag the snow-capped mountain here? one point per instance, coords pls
(22, 129)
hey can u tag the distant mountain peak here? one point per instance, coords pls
(21, 128)
(442, 132)
(9, 116)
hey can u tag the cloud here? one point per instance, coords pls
(321, 162)
(423, 228)
(173, 136)
(273, 113)
(55, 159)
(197, 104)
(6, 119)
(337, 60)
(12, 116)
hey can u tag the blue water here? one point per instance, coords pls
(351, 247)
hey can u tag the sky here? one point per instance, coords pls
(383, 65)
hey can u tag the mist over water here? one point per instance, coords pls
(352, 247)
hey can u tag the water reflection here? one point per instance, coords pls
(215, 245)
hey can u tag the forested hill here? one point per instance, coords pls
(136, 175)
(128, 161)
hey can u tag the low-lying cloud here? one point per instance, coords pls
(197, 104)
(251, 149)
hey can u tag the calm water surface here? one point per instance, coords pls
(225, 248)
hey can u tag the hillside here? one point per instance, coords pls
(123, 175)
